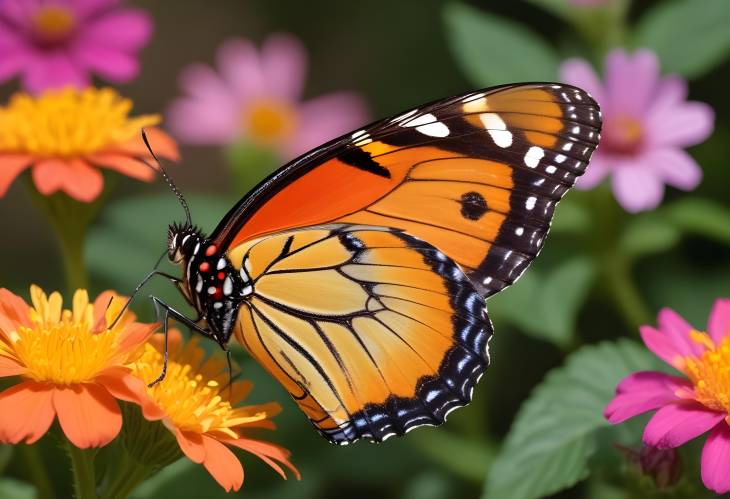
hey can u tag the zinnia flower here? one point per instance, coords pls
(200, 410)
(256, 96)
(54, 43)
(687, 406)
(70, 365)
(65, 135)
(646, 124)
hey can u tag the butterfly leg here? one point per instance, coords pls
(165, 311)
(142, 283)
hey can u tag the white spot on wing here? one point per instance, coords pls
(404, 116)
(551, 169)
(560, 158)
(530, 203)
(533, 156)
(497, 129)
(519, 231)
(247, 290)
(477, 105)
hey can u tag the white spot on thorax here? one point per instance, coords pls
(196, 249)
(217, 305)
(211, 290)
(227, 286)
(199, 284)
(533, 156)
(221, 264)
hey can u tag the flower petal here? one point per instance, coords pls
(663, 347)
(109, 62)
(677, 329)
(718, 326)
(267, 452)
(14, 308)
(134, 336)
(241, 70)
(27, 412)
(9, 367)
(124, 164)
(579, 73)
(191, 444)
(123, 29)
(284, 66)
(675, 166)
(637, 188)
(204, 123)
(631, 81)
(715, 459)
(162, 144)
(595, 173)
(11, 165)
(684, 124)
(125, 386)
(52, 71)
(88, 414)
(676, 424)
(75, 177)
(642, 392)
(222, 464)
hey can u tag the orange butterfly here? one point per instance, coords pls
(356, 274)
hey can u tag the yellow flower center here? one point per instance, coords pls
(62, 347)
(710, 373)
(623, 134)
(193, 396)
(53, 23)
(68, 123)
(269, 121)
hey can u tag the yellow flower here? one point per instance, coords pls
(201, 410)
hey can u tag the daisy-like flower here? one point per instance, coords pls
(686, 406)
(67, 135)
(255, 96)
(202, 411)
(647, 122)
(70, 364)
(55, 43)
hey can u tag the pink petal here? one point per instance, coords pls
(663, 347)
(637, 188)
(681, 125)
(671, 91)
(641, 392)
(718, 326)
(201, 122)
(14, 52)
(579, 73)
(676, 424)
(18, 12)
(630, 80)
(109, 62)
(284, 66)
(677, 329)
(201, 82)
(88, 8)
(595, 173)
(241, 69)
(54, 70)
(676, 167)
(124, 29)
(325, 118)
(716, 460)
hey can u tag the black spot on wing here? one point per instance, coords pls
(473, 205)
(362, 160)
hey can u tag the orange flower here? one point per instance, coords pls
(71, 366)
(198, 410)
(65, 134)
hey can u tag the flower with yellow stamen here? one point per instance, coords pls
(67, 135)
(202, 411)
(71, 365)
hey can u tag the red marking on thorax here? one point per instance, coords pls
(210, 250)
(204, 267)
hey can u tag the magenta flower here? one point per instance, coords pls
(255, 95)
(56, 43)
(646, 124)
(686, 406)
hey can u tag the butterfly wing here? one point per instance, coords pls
(477, 176)
(372, 331)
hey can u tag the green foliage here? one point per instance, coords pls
(555, 431)
(648, 233)
(690, 36)
(544, 304)
(702, 217)
(492, 50)
(14, 489)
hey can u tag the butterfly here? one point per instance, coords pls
(357, 274)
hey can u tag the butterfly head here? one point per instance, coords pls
(181, 239)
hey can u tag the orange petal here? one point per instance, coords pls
(124, 164)
(75, 177)
(11, 165)
(135, 335)
(222, 464)
(14, 308)
(191, 444)
(9, 367)
(125, 386)
(174, 340)
(101, 304)
(27, 412)
(163, 145)
(89, 415)
(266, 452)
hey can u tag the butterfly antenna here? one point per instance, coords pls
(167, 178)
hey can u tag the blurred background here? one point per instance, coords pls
(397, 55)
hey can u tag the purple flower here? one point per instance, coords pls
(255, 95)
(56, 43)
(647, 122)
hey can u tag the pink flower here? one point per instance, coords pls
(255, 95)
(56, 43)
(686, 406)
(646, 124)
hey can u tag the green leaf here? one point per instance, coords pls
(554, 433)
(571, 216)
(702, 217)
(545, 304)
(14, 489)
(648, 233)
(690, 36)
(492, 50)
(442, 446)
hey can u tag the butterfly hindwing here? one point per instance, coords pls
(476, 176)
(371, 330)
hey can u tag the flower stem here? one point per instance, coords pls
(625, 294)
(128, 474)
(84, 474)
(37, 470)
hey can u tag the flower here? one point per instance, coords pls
(71, 365)
(54, 43)
(686, 406)
(646, 124)
(256, 96)
(64, 134)
(200, 410)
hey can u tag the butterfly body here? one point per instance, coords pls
(357, 274)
